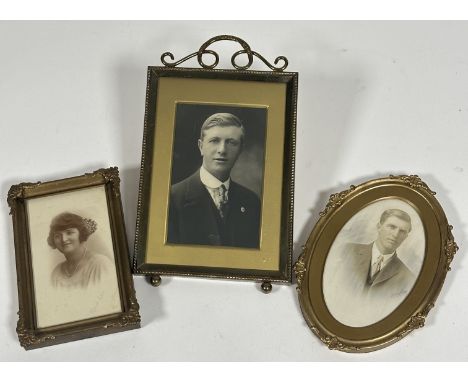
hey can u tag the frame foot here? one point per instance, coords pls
(155, 280)
(266, 287)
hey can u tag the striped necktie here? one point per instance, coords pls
(376, 268)
(221, 200)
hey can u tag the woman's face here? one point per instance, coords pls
(67, 240)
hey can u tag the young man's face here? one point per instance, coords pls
(391, 233)
(220, 148)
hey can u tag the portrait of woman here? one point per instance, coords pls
(82, 267)
(73, 260)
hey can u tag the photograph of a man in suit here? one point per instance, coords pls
(372, 279)
(208, 207)
(377, 263)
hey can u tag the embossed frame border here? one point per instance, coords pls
(284, 272)
(30, 337)
(412, 312)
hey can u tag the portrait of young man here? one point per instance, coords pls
(369, 279)
(377, 264)
(217, 176)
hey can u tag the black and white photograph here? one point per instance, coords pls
(217, 175)
(72, 255)
(374, 262)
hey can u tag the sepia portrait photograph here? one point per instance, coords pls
(217, 175)
(374, 262)
(72, 255)
(72, 260)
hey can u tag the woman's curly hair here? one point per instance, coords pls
(68, 220)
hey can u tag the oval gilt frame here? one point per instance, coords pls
(411, 313)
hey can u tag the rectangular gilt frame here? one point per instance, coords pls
(153, 172)
(29, 335)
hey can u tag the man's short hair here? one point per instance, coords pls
(222, 120)
(397, 213)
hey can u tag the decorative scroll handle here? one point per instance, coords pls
(246, 50)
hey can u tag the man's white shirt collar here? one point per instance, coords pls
(211, 181)
(376, 254)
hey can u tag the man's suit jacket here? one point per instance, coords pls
(353, 299)
(194, 218)
(393, 279)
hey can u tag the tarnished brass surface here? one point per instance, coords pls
(29, 335)
(168, 85)
(266, 287)
(412, 312)
(155, 280)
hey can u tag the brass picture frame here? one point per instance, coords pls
(178, 101)
(350, 301)
(95, 296)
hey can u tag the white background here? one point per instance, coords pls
(375, 98)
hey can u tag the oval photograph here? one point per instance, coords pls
(374, 262)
